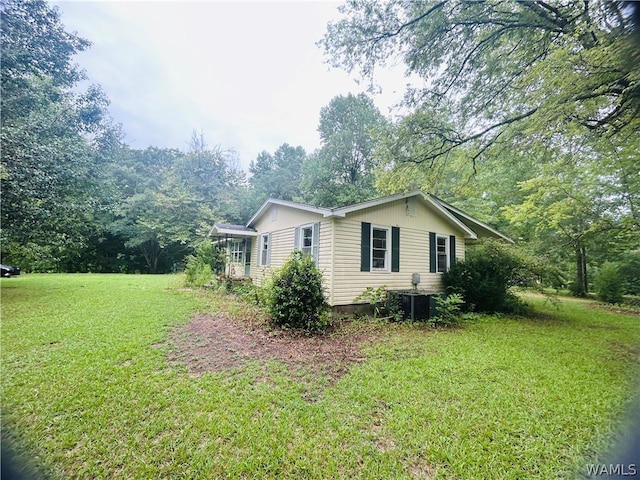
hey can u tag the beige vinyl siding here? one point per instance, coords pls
(460, 248)
(396, 214)
(280, 217)
(282, 227)
(281, 247)
(325, 255)
(349, 281)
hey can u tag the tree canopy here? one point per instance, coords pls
(497, 68)
(341, 171)
(525, 114)
(54, 140)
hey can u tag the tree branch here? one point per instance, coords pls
(408, 24)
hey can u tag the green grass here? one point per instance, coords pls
(88, 392)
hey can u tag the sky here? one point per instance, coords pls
(247, 75)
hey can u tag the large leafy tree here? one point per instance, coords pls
(54, 140)
(496, 68)
(276, 175)
(341, 171)
(169, 199)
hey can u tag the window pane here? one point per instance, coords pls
(442, 263)
(237, 252)
(307, 236)
(378, 260)
(379, 249)
(379, 239)
(264, 251)
(442, 254)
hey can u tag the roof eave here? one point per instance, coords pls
(473, 220)
(325, 212)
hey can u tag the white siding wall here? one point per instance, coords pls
(282, 225)
(349, 281)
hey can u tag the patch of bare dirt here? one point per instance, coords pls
(221, 342)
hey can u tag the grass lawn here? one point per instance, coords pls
(88, 392)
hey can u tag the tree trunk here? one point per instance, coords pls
(582, 286)
(151, 251)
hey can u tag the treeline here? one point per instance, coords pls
(555, 169)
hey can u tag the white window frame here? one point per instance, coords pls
(237, 251)
(265, 253)
(387, 249)
(446, 253)
(306, 250)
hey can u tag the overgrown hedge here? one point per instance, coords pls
(295, 297)
(484, 279)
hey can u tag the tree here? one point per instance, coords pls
(540, 99)
(55, 142)
(498, 67)
(276, 175)
(580, 200)
(341, 171)
(169, 200)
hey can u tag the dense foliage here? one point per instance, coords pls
(209, 260)
(484, 279)
(295, 297)
(609, 284)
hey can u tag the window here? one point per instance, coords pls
(264, 259)
(379, 249)
(307, 239)
(442, 253)
(237, 252)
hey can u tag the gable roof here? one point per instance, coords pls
(465, 222)
(286, 203)
(342, 211)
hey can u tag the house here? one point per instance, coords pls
(379, 242)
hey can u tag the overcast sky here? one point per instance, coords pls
(247, 74)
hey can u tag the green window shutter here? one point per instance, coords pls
(452, 250)
(365, 247)
(433, 264)
(296, 239)
(395, 249)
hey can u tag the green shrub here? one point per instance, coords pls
(295, 298)
(485, 277)
(630, 272)
(448, 310)
(376, 297)
(197, 273)
(609, 284)
(200, 268)
(212, 255)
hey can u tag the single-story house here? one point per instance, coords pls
(379, 242)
